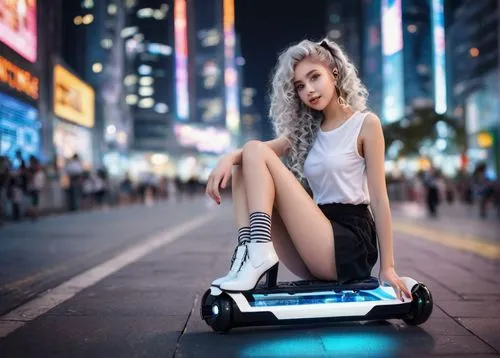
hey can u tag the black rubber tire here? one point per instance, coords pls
(206, 306)
(222, 322)
(421, 306)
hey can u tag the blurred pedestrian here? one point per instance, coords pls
(22, 179)
(179, 188)
(22, 170)
(101, 187)
(4, 182)
(36, 183)
(449, 191)
(16, 195)
(126, 190)
(432, 192)
(483, 188)
(191, 186)
(87, 191)
(74, 170)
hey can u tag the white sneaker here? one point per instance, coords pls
(261, 259)
(237, 261)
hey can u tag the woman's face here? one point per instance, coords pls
(314, 84)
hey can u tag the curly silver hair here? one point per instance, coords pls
(290, 116)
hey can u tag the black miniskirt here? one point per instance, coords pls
(355, 240)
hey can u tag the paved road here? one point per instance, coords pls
(136, 276)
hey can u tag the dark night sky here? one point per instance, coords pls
(266, 27)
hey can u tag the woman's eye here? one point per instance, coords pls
(315, 76)
(299, 87)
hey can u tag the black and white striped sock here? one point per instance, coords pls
(260, 227)
(244, 235)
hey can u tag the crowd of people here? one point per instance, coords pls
(20, 188)
(432, 189)
(23, 183)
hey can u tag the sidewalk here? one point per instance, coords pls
(456, 226)
(458, 218)
(150, 308)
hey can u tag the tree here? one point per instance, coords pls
(420, 126)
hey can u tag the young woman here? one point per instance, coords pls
(335, 149)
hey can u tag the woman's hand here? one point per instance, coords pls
(219, 177)
(390, 276)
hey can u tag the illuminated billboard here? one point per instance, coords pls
(73, 98)
(392, 27)
(230, 73)
(181, 59)
(392, 51)
(204, 139)
(18, 79)
(438, 42)
(19, 128)
(210, 103)
(18, 26)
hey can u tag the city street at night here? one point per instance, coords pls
(127, 282)
(249, 178)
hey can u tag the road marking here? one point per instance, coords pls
(52, 298)
(61, 267)
(469, 243)
(46, 272)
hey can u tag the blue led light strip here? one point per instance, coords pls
(341, 297)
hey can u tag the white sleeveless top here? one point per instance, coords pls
(334, 169)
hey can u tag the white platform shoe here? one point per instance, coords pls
(238, 258)
(261, 260)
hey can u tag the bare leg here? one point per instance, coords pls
(285, 249)
(269, 182)
(242, 221)
(282, 243)
(239, 198)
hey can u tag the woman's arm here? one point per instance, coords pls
(374, 149)
(219, 177)
(279, 145)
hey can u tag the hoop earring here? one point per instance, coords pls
(340, 100)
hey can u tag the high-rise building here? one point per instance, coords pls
(404, 43)
(207, 83)
(93, 49)
(472, 44)
(371, 68)
(207, 63)
(473, 47)
(404, 69)
(149, 78)
(417, 52)
(207, 80)
(373, 32)
(344, 26)
(49, 42)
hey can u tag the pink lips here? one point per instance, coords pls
(314, 100)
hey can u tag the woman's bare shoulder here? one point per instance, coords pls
(371, 124)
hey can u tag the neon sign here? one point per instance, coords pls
(181, 59)
(439, 57)
(230, 74)
(18, 26)
(18, 79)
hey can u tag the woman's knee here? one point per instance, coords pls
(253, 149)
